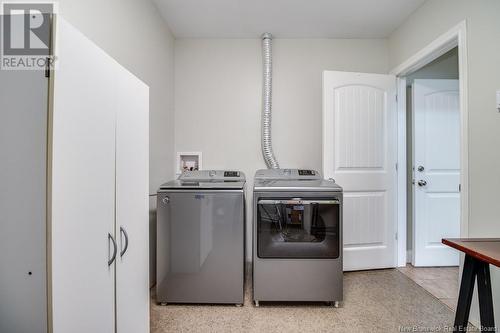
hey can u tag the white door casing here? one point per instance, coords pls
(82, 185)
(436, 148)
(359, 152)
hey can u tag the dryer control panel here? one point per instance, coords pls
(287, 174)
(307, 172)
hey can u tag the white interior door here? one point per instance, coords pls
(132, 204)
(82, 185)
(359, 152)
(436, 156)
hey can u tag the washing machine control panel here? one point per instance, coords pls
(212, 176)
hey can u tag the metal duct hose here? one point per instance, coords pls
(267, 147)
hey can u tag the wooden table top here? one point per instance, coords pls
(484, 249)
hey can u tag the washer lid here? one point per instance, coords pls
(209, 179)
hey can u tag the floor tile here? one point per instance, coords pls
(441, 282)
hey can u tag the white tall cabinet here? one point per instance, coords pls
(99, 191)
(97, 170)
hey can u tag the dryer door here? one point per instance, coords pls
(298, 228)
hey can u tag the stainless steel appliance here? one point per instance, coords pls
(297, 243)
(200, 238)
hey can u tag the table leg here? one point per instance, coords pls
(465, 295)
(485, 297)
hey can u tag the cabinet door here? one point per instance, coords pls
(23, 143)
(132, 204)
(82, 185)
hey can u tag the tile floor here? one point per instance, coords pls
(442, 282)
(374, 301)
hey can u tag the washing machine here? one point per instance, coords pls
(297, 237)
(200, 238)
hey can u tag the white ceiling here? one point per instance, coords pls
(285, 18)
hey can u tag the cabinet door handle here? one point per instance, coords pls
(110, 261)
(124, 249)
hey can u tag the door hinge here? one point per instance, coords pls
(396, 236)
(396, 167)
(459, 187)
(396, 97)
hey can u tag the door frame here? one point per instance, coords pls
(455, 37)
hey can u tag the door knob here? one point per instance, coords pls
(420, 168)
(166, 200)
(422, 183)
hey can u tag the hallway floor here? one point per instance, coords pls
(376, 301)
(442, 282)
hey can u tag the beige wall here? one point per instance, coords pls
(483, 37)
(218, 98)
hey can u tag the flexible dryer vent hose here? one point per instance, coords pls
(267, 147)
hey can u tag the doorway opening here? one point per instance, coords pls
(433, 160)
(450, 48)
(441, 49)
(433, 175)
